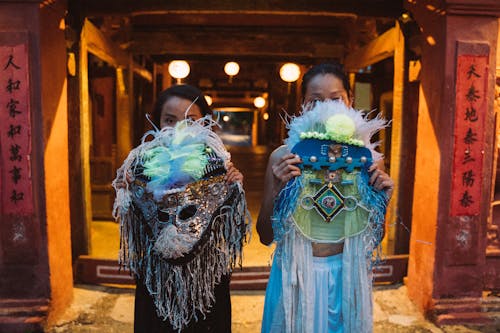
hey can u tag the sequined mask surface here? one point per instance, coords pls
(179, 222)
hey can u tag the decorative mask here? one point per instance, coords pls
(333, 200)
(182, 225)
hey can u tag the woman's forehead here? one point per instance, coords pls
(178, 105)
(326, 83)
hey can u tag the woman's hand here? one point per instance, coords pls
(124, 182)
(380, 180)
(281, 167)
(284, 169)
(233, 175)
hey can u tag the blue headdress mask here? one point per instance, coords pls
(332, 199)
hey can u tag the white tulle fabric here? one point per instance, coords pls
(291, 309)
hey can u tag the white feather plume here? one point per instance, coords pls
(314, 119)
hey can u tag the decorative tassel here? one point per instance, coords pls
(376, 202)
(284, 205)
(182, 290)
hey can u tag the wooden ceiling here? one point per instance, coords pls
(371, 8)
(260, 34)
(281, 29)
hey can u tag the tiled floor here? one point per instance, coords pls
(110, 310)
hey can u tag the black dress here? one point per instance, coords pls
(218, 320)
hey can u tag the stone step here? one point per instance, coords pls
(22, 325)
(32, 320)
(24, 311)
(256, 284)
(491, 301)
(472, 318)
(487, 304)
(249, 276)
(12, 307)
(23, 315)
(8, 302)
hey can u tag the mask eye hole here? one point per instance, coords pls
(187, 212)
(163, 216)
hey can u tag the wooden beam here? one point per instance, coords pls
(236, 43)
(303, 58)
(498, 54)
(103, 48)
(99, 45)
(85, 135)
(470, 7)
(373, 8)
(397, 148)
(379, 49)
(206, 18)
(142, 72)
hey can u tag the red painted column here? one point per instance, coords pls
(455, 138)
(35, 255)
(23, 258)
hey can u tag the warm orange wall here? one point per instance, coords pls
(432, 155)
(425, 210)
(54, 109)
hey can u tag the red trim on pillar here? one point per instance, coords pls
(470, 112)
(19, 243)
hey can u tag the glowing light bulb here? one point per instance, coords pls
(232, 68)
(290, 72)
(178, 69)
(208, 99)
(259, 102)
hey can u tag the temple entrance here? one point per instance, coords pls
(248, 105)
(85, 73)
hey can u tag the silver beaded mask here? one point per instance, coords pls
(182, 227)
(181, 221)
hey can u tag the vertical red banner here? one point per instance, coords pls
(471, 107)
(15, 132)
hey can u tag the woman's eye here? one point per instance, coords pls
(316, 101)
(334, 99)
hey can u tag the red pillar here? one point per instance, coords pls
(35, 256)
(455, 123)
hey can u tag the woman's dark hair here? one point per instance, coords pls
(333, 68)
(184, 91)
